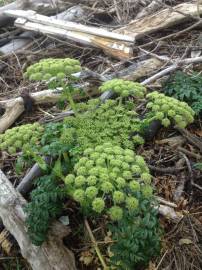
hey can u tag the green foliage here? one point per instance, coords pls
(198, 166)
(103, 122)
(136, 237)
(45, 206)
(110, 174)
(21, 138)
(186, 88)
(58, 68)
(169, 110)
(124, 88)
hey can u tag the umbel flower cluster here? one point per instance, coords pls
(19, 138)
(109, 175)
(103, 122)
(124, 88)
(46, 69)
(169, 110)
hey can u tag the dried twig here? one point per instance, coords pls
(95, 245)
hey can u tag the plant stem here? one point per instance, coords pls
(95, 245)
(72, 104)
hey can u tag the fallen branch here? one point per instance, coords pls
(15, 107)
(52, 255)
(191, 138)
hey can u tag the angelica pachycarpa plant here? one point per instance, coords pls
(124, 88)
(20, 138)
(109, 177)
(168, 110)
(101, 122)
(58, 72)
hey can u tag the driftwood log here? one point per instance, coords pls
(160, 20)
(15, 107)
(52, 255)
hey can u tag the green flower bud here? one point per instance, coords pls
(104, 177)
(12, 150)
(125, 166)
(116, 213)
(128, 152)
(91, 192)
(107, 187)
(100, 161)
(146, 178)
(135, 169)
(69, 179)
(88, 151)
(18, 144)
(94, 156)
(113, 175)
(80, 181)
(132, 203)
(82, 171)
(118, 197)
(140, 161)
(127, 175)
(79, 195)
(159, 115)
(121, 182)
(89, 164)
(165, 122)
(129, 159)
(99, 149)
(181, 124)
(83, 160)
(171, 113)
(91, 180)
(137, 139)
(134, 186)
(94, 171)
(98, 205)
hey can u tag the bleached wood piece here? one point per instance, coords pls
(119, 46)
(160, 20)
(52, 255)
(32, 16)
(72, 14)
(15, 107)
(170, 213)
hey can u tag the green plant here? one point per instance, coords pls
(124, 88)
(19, 138)
(136, 237)
(109, 174)
(45, 206)
(58, 72)
(49, 68)
(102, 122)
(186, 88)
(168, 110)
